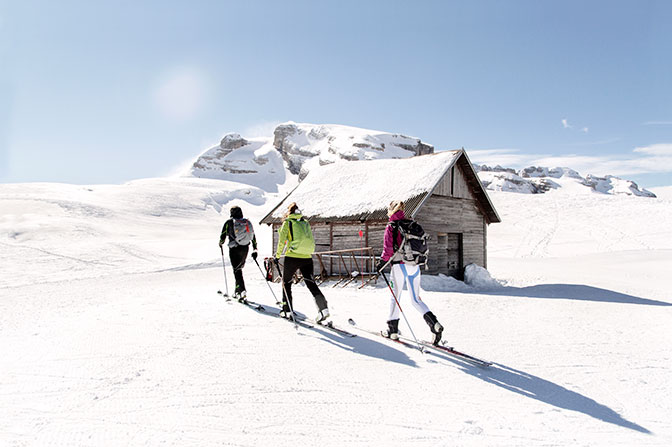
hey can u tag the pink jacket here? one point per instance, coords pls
(388, 246)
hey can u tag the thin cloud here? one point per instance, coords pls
(503, 157)
(656, 149)
(657, 123)
(566, 125)
(656, 158)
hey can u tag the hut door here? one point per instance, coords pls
(450, 254)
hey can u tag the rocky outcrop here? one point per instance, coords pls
(615, 185)
(304, 145)
(233, 141)
(537, 171)
(537, 180)
(419, 148)
(253, 162)
(498, 168)
(504, 180)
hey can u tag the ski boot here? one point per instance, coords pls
(392, 331)
(241, 297)
(322, 316)
(285, 312)
(434, 326)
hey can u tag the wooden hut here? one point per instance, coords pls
(346, 204)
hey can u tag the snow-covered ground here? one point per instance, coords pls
(111, 332)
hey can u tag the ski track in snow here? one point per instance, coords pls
(115, 335)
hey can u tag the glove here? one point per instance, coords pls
(220, 244)
(381, 263)
(254, 255)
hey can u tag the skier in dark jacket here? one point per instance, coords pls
(240, 233)
(296, 236)
(403, 273)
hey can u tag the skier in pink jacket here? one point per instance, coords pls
(403, 273)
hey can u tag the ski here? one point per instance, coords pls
(425, 346)
(328, 325)
(453, 352)
(253, 305)
(301, 320)
(261, 309)
(424, 342)
(445, 349)
(380, 334)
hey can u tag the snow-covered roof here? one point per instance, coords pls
(362, 189)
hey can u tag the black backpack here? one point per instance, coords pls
(413, 249)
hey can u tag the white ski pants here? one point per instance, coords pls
(409, 275)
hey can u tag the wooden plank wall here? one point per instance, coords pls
(341, 236)
(444, 187)
(452, 215)
(461, 187)
(454, 184)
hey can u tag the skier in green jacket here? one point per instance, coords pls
(297, 243)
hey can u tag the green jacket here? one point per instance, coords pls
(295, 232)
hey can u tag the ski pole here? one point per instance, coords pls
(226, 284)
(402, 313)
(269, 286)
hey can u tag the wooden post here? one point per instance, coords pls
(361, 237)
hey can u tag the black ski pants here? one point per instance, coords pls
(238, 255)
(305, 266)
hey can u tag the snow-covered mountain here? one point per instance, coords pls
(537, 180)
(306, 145)
(294, 149)
(251, 161)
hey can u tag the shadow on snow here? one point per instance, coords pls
(356, 345)
(502, 376)
(534, 387)
(576, 292)
(510, 379)
(564, 291)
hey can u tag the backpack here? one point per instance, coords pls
(413, 249)
(301, 241)
(241, 233)
(272, 270)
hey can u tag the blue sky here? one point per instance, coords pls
(105, 92)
